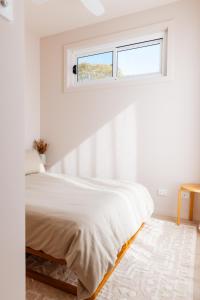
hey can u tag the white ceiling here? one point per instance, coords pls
(56, 16)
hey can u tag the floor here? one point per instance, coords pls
(197, 270)
(197, 258)
(177, 271)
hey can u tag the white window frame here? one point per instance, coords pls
(92, 47)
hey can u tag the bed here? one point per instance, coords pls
(86, 224)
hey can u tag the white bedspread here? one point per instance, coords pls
(84, 221)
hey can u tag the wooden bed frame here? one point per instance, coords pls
(66, 287)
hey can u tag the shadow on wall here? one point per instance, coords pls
(110, 152)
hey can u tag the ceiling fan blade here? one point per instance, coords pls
(94, 6)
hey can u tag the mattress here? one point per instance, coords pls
(84, 221)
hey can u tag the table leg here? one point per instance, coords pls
(191, 206)
(179, 206)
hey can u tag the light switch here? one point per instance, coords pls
(6, 9)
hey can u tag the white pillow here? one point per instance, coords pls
(33, 163)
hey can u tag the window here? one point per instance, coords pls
(94, 67)
(120, 61)
(139, 59)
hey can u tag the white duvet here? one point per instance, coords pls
(84, 221)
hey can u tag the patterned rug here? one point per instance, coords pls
(159, 266)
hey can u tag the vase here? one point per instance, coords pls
(43, 158)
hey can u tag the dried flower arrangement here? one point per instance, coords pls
(40, 145)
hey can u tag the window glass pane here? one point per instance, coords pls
(94, 67)
(144, 59)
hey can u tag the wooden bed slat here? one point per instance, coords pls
(66, 286)
(45, 256)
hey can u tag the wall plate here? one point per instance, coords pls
(7, 12)
(185, 195)
(162, 192)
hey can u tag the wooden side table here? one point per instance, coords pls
(192, 189)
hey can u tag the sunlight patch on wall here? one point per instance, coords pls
(110, 153)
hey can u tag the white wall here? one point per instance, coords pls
(146, 133)
(12, 277)
(32, 88)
